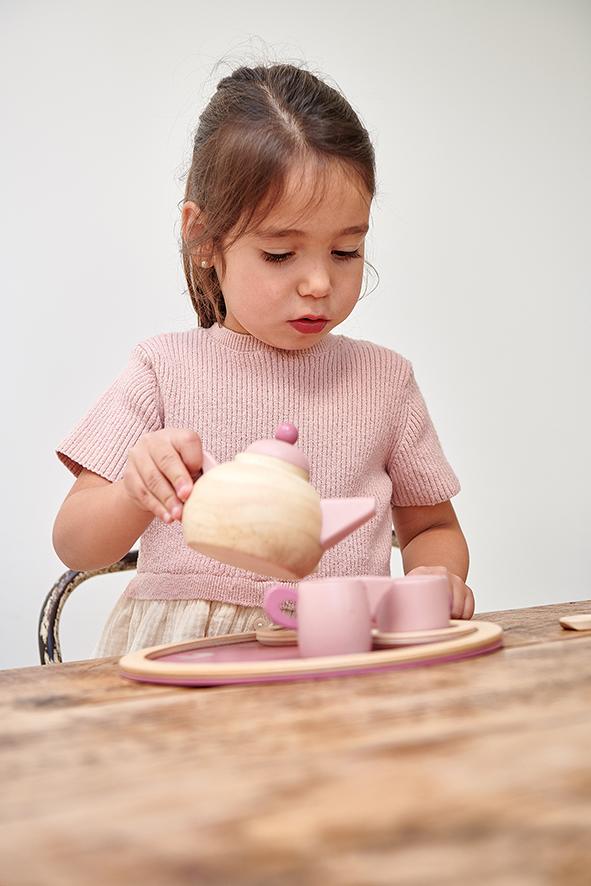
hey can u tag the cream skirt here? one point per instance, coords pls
(135, 624)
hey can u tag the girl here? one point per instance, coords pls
(274, 218)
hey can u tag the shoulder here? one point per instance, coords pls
(378, 359)
(167, 348)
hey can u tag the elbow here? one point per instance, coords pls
(75, 559)
(60, 545)
(57, 542)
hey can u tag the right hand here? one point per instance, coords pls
(160, 470)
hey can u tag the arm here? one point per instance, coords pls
(97, 523)
(431, 539)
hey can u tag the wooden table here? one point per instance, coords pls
(462, 773)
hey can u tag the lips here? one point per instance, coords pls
(309, 324)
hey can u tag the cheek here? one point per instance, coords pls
(269, 284)
(255, 294)
(355, 283)
(360, 276)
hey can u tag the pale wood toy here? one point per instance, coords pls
(580, 622)
(239, 658)
(259, 512)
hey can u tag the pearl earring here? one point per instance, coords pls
(203, 264)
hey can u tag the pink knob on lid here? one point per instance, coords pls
(287, 432)
(282, 446)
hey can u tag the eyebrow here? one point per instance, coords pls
(294, 232)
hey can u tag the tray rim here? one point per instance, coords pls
(145, 662)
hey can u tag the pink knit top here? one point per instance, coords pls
(362, 423)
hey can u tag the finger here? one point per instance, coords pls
(428, 570)
(144, 498)
(457, 596)
(184, 459)
(171, 465)
(155, 483)
(468, 604)
(190, 449)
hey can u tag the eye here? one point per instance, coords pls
(346, 256)
(283, 256)
(271, 256)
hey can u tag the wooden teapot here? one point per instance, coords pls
(259, 512)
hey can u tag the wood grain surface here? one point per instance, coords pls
(468, 772)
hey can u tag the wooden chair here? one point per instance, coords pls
(49, 618)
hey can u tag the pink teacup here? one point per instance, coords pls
(332, 615)
(414, 603)
(375, 588)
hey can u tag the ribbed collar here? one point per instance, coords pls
(238, 341)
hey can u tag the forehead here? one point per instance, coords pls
(327, 201)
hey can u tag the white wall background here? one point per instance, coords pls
(479, 113)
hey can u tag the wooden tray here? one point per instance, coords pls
(240, 658)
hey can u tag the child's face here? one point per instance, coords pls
(315, 278)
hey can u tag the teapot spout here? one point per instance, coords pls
(341, 516)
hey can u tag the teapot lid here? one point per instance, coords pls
(282, 446)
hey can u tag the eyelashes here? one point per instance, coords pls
(285, 256)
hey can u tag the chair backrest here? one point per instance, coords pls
(49, 618)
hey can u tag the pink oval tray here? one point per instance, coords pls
(240, 658)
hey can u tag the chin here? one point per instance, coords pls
(308, 342)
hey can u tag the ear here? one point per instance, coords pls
(192, 225)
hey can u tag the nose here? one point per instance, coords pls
(315, 281)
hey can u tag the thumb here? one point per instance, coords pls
(188, 445)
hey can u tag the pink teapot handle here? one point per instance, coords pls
(274, 599)
(209, 462)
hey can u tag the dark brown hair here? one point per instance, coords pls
(258, 124)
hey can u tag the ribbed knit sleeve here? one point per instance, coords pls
(418, 468)
(127, 409)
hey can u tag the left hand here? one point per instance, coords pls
(462, 605)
